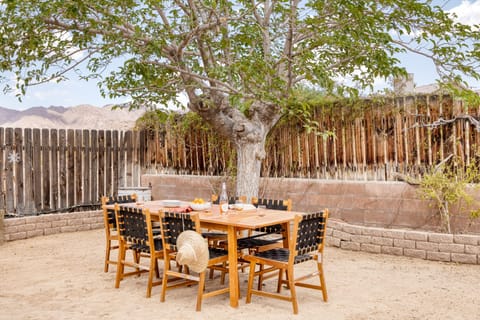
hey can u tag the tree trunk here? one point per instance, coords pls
(249, 161)
(445, 213)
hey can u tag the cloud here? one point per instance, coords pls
(70, 50)
(467, 12)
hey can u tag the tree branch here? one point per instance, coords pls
(442, 122)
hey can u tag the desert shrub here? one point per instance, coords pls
(447, 187)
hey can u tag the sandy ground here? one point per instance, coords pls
(61, 277)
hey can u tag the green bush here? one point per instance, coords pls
(447, 186)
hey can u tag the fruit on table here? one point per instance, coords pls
(198, 201)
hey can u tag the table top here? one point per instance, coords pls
(249, 219)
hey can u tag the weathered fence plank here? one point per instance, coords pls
(62, 167)
(2, 176)
(94, 194)
(18, 162)
(9, 182)
(37, 169)
(121, 160)
(46, 170)
(70, 168)
(108, 162)
(28, 182)
(101, 163)
(78, 167)
(55, 169)
(128, 145)
(115, 161)
(135, 159)
(86, 172)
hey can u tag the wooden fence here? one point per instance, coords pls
(44, 170)
(375, 141)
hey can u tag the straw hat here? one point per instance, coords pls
(192, 250)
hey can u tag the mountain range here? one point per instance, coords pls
(78, 117)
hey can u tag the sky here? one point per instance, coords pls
(75, 92)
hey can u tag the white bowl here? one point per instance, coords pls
(200, 206)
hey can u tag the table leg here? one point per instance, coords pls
(232, 266)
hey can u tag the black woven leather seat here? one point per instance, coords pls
(282, 254)
(306, 244)
(216, 253)
(256, 242)
(173, 224)
(266, 237)
(110, 224)
(136, 233)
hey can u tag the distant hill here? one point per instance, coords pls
(79, 117)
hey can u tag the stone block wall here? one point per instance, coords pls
(459, 248)
(32, 226)
(417, 244)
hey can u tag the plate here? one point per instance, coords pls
(171, 203)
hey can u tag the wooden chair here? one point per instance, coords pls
(136, 234)
(306, 243)
(266, 237)
(173, 224)
(110, 224)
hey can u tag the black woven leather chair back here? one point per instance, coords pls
(231, 200)
(274, 204)
(311, 232)
(122, 199)
(132, 226)
(118, 199)
(174, 223)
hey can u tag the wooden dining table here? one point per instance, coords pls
(232, 222)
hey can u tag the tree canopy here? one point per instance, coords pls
(239, 62)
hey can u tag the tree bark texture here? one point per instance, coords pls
(249, 160)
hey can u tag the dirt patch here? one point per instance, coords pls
(61, 277)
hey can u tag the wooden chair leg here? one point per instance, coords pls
(136, 258)
(322, 281)
(260, 278)
(201, 288)
(238, 287)
(107, 255)
(120, 265)
(287, 285)
(157, 272)
(280, 280)
(251, 276)
(165, 278)
(293, 292)
(222, 275)
(153, 263)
